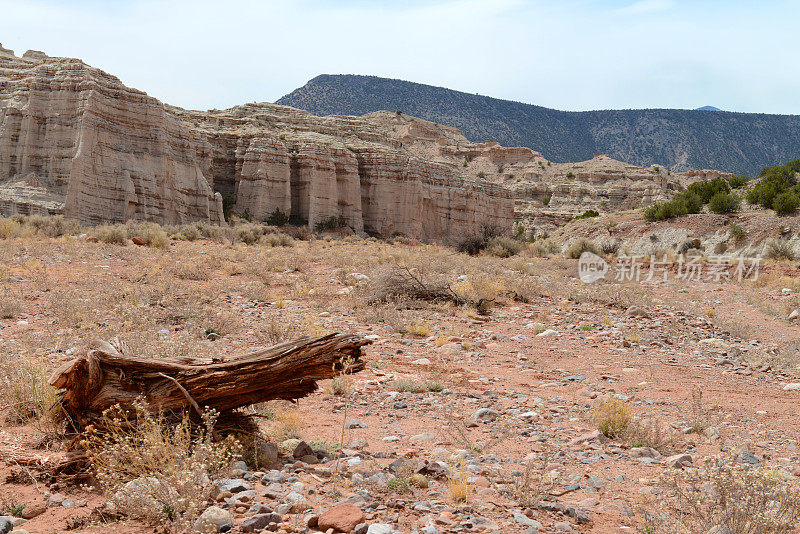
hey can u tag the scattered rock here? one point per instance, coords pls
(213, 519)
(341, 518)
(259, 522)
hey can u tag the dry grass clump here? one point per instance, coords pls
(26, 397)
(10, 229)
(156, 471)
(459, 485)
(410, 385)
(580, 246)
(745, 499)
(612, 416)
(780, 250)
(191, 270)
(651, 434)
(10, 306)
(287, 423)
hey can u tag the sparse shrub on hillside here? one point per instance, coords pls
(724, 203)
(786, 203)
(580, 246)
(737, 233)
(503, 247)
(189, 232)
(683, 204)
(546, 199)
(481, 175)
(610, 247)
(588, 214)
(690, 244)
(706, 189)
(772, 182)
(739, 180)
(277, 218)
(9, 229)
(52, 226)
(780, 250)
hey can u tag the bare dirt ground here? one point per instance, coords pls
(503, 401)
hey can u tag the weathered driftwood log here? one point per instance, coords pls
(106, 377)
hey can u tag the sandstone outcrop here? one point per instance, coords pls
(75, 140)
(547, 194)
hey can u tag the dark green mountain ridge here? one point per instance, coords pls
(679, 139)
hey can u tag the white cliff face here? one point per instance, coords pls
(92, 148)
(75, 140)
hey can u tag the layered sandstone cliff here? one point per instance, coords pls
(75, 140)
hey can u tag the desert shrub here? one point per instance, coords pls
(546, 199)
(156, 470)
(52, 226)
(780, 250)
(277, 239)
(610, 247)
(724, 203)
(772, 182)
(690, 244)
(277, 218)
(786, 203)
(334, 222)
(612, 416)
(706, 189)
(473, 244)
(410, 385)
(588, 214)
(737, 233)
(191, 270)
(405, 284)
(189, 232)
(113, 234)
(9, 229)
(503, 247)
(151, 234)
(683, 204)
(249, 234)
(580, 246)
(737, 181)
(744, 499)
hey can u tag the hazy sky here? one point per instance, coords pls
(738, 55)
